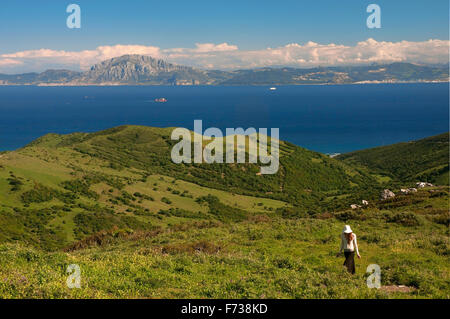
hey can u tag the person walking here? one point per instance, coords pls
(349, 245)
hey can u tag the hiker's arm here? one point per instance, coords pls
(342, 245)
(356, 247)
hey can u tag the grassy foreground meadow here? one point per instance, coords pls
(259, 258)
(140, 226)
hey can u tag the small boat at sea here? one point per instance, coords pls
(273, 88)
(161, 100)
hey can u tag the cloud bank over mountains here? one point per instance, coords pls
(227, 56)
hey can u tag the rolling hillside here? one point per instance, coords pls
(423, 160)
(140, 226)
(61, 188)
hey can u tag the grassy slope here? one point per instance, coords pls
(265, 256)
(71, 186)
(116, 199)
(149, 149)
(422, 160)
(56, 227)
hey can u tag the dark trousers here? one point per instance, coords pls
(350, 261)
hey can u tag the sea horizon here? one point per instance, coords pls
(322, 118)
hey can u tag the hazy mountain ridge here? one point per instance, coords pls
(145, 70)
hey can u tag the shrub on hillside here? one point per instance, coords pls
(38, 194)
(221, 211)
(292, 212)
(404, 218)
(15, 183)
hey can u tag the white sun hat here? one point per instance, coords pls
(347, 229)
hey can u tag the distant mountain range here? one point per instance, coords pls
(145, 70)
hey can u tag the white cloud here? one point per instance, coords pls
(9, 63)
(227, 56)
(203, 48)
(39, 60)
(314, 54)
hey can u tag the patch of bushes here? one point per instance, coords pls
(80, 187)
(93, 222)
(38, 194)
(443, 218)
(143, 196)
(178, 212)
(15, 183)
(292, 212)
(403, 218)
(346, 215)
(221, 211)
(202, 246)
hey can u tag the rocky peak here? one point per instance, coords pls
(131, 68)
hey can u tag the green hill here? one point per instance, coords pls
(62, 188)
(148, 150)
(140, 226)
(422, 160)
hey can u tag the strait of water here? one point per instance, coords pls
(324, 118)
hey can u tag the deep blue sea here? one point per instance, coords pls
(324, 118)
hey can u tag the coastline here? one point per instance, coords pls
(216, 85)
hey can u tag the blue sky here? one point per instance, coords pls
(247, 24)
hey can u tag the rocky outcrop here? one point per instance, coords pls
(356, 206)
(386, 194)
(408, 190)
(423, 184)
